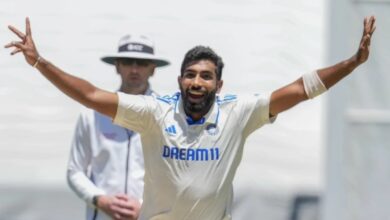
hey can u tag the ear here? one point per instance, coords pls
(117, 66)
(219, 85)
(152, 69)
(179, 79)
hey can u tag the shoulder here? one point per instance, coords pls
(243, 100)
(168, 99)
(226, 98)
(152, 93)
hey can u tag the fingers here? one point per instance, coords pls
(372, 21)
(17, 32)
(124, 204)
(372, 26)
(123, 208)
(117, 216)
(16, 44)
(126, 209)
(17, 50)
(122, 197)
(28, 27)
(122, 212)
(369, 25)
(372, 31)
(365, 23)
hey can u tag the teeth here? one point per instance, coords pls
(196, 93)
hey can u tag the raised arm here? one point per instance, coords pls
(314, 83)
(76, 88)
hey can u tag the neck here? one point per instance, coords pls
(196, 116)
(134, 90)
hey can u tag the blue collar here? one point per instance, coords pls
(191, 121)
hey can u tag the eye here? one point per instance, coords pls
(189, 75)
(207, 76)
(143, 63)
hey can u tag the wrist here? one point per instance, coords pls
(37, 62)
(350, 64)
(40, 63)
(95, 201)
(354, 61)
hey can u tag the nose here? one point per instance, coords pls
(197, 82)
(134, 67)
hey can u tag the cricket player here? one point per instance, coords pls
(192, 140)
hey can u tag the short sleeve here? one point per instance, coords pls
(135, 112)
(255, 109)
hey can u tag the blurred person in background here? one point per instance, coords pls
(193, 140)
(106, 165)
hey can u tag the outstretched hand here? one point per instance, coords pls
(364, 47)
(25, 44)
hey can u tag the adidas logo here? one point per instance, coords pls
(171, 130)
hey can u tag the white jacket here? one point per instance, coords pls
(104, 159)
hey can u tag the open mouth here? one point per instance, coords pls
(196, 96)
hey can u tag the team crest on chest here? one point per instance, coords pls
(212, 129)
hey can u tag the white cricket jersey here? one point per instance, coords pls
(189, 166)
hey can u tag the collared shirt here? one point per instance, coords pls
(189, 167)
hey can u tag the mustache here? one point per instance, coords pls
(191, 90)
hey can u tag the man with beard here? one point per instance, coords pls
(193, 141)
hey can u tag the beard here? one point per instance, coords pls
(201, 107)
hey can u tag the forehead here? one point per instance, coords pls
(201, 65)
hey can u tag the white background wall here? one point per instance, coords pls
(358, 110)
(265, 45)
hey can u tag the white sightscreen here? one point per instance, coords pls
(358, 118)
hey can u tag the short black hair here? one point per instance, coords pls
(202, 53)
